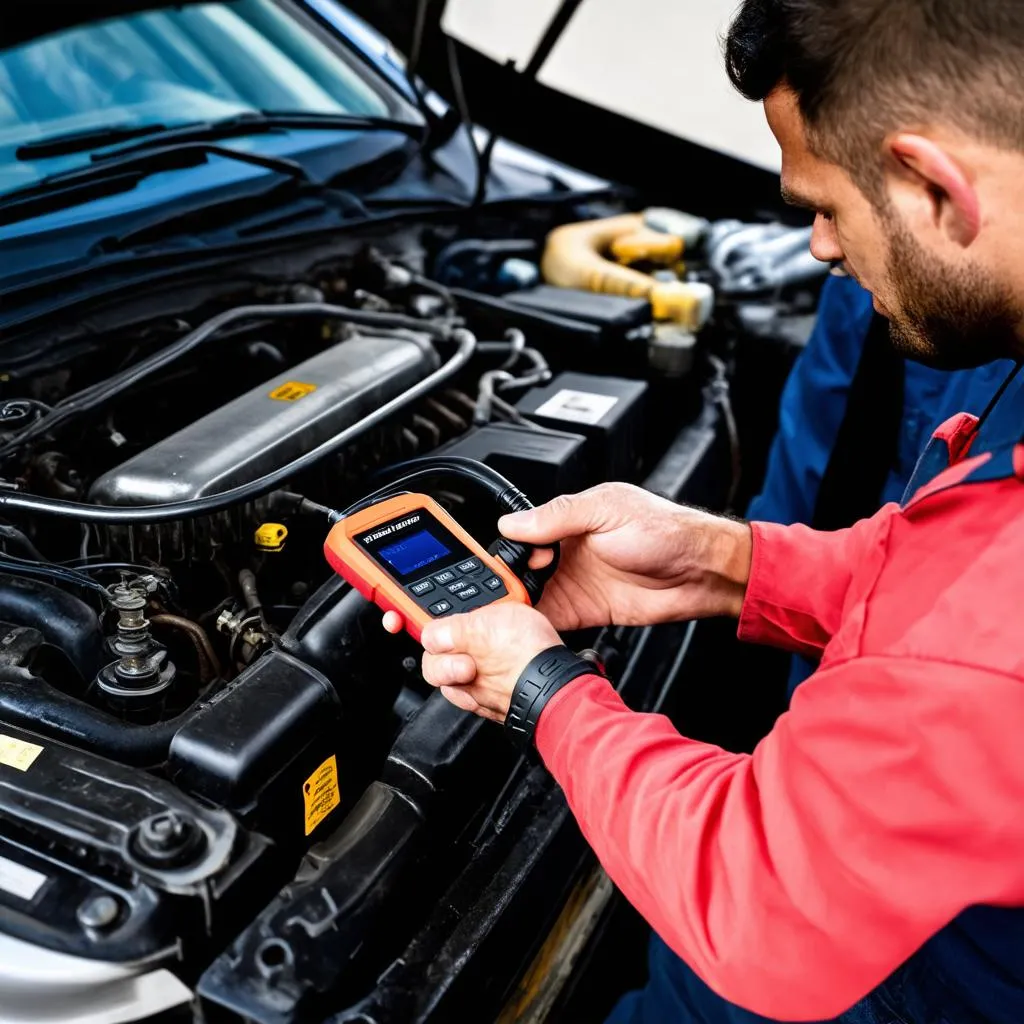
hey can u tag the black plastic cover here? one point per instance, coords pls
(617, 315)
(608, 411)
(73, 833)
(542, 465)
(253, 748)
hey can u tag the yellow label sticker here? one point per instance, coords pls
(292, 391)
(17, 753)
(321, 793)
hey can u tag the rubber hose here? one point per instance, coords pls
(65, 621)
(29, 702)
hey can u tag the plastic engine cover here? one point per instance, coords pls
(269, 426)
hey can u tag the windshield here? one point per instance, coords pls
(171, 66)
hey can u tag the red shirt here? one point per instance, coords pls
(890, 796)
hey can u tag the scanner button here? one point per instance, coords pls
(470, 565)
(494, 583)
(421, 588)
(440, 607)
(444, 577)
(468, 592)
(454, 588)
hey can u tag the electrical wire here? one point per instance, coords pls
(717, 391)
(78, 511)
(21, 567)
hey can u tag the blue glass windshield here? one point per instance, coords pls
(171, 66)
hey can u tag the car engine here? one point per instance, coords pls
(225, 791)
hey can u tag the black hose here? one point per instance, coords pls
(29, 702)
(101, 392)
(65, 621)
(194, 507)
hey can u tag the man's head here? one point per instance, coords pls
(901, 124)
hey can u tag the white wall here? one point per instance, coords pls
(658, 61)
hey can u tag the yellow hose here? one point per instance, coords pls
(574, 258)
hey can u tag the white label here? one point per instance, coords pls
(20, 881)
(577, 406)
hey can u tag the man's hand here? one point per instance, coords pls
(476, 658)
(632, 558)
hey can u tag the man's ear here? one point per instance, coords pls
(930, 189)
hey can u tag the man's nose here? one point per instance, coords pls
(824, 241)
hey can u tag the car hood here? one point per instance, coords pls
(643, 101)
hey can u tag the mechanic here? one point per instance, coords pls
(871, 850)
(854, 418)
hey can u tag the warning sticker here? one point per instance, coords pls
(577, 406)
(292, 391)
(20, 881)
(320, 793)
(17, 753)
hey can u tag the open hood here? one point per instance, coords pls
(641, 99)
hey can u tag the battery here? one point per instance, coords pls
(607, 411)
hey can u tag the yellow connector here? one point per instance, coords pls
(271, 537)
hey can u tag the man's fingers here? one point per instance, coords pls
(568, 515)
(448, 669)
(541, 557)
(444, 635)
(461, 698)
(393, 622)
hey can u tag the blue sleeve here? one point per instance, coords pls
(813, 404)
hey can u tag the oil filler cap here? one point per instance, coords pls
(271, 537)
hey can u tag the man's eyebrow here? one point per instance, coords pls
(792, 198)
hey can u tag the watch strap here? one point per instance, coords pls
(549, 672)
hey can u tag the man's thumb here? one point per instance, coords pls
(566, 516)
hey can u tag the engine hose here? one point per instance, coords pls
(100, 393)
(82, 512)
(65, 621)
(209, 663)
(29, 702)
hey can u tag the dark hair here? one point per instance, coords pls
(864, 68)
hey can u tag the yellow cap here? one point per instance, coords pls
(271, 536)
(688, 303)
(647, 246)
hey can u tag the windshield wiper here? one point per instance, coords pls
(261, 123)
(66, 143)
(122, 172)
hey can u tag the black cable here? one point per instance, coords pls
(1018, 366)
(81, 512)
(508, 497)
(139, 570)
(97, 394)
(40, 570)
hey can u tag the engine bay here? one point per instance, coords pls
(225, 789)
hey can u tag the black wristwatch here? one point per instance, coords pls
(545, 675)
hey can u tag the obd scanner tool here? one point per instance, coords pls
(401, 550)
(404, 552)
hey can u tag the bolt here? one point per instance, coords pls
(410, 664)
(98, 912)
(168, 839)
